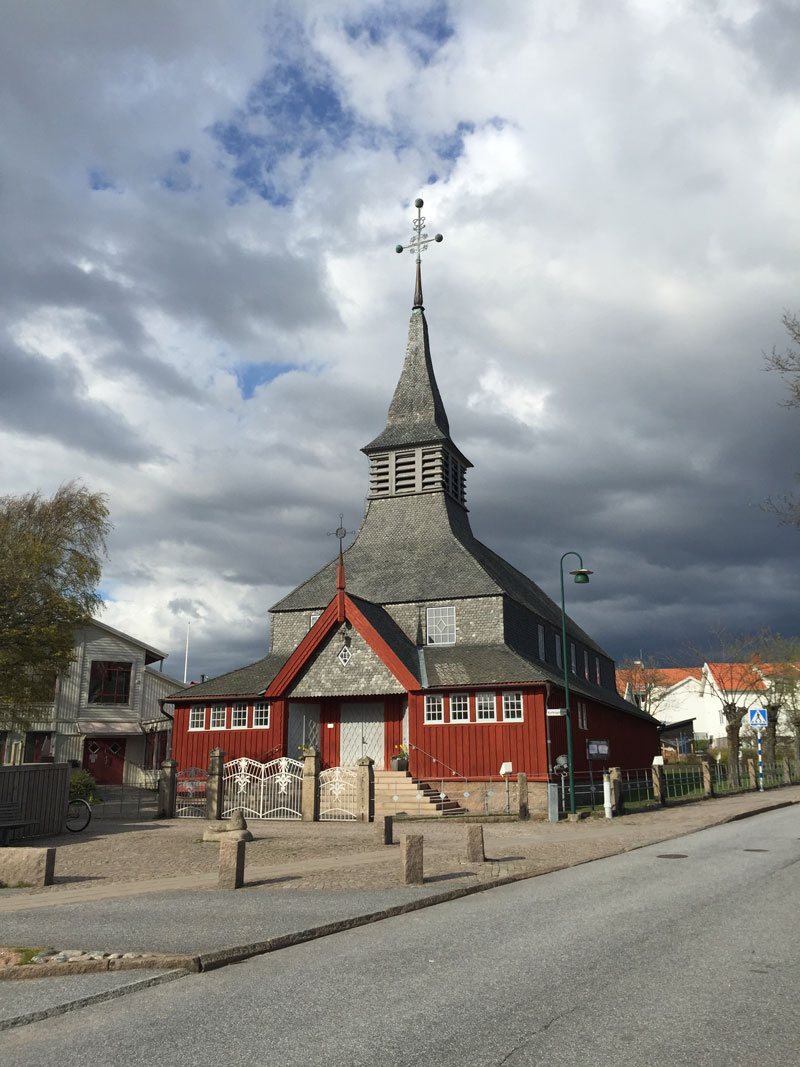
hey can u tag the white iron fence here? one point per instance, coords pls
(190, 793)
(263, 790)
(338, 794)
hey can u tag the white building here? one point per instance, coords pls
(106, 714)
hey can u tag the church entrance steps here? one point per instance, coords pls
(413, 796)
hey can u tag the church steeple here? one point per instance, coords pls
(415, 452)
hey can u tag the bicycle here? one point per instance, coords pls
(79, 815)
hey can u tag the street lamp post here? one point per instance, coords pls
(581, 577)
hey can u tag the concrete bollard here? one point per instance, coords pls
(385, 828)
(411, 858)
(475, 853)
(231, 864)
(27, 866)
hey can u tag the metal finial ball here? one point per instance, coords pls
(419, 202)
(341, 533)
(438, 237)
(398, 248)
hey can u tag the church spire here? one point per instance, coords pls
(415, 453)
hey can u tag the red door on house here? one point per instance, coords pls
(104, 759)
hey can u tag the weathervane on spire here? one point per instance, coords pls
(418, 243)
(339, 532)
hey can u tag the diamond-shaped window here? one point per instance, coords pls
(345, 656)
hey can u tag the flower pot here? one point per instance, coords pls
(399, 763)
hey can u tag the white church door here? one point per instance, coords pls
(303, 728)
(361, 734)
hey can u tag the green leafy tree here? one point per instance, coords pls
(787, 364)
(50, 567)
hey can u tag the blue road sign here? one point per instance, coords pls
(758, 717)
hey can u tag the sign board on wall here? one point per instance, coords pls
(556, 712)
(597, 749)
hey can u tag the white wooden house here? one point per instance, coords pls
(106, 714)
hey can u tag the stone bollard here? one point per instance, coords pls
(522, 796)
(787, 771)
(411, 858)
(27, 866)
(231, 864)
(386, 829)
(167, 789)
(752, 773)
(475, 853)
(216, 763)
(659, 783)
(309, 795)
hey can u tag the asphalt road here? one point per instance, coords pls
(638, 959)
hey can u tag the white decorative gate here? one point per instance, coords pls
(263, 790)
(338, 794)
(190, 793)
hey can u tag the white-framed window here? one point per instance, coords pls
(261, 716)
(442, 626)
(314, 616)
(239, 717)
(573, 659)
(583, 723)
(512, 707)
(218, 715)
(541, 643)
(459, 707)
(197, 718)
(485, 708)
(597, 670)
(585, 664)
(559, 657)
(434, 708)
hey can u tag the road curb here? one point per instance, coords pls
(92, 998)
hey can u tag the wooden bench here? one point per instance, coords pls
(11, 819)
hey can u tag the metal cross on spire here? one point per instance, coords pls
(339, 532)
(418, 243)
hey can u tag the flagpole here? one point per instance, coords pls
(186, 656)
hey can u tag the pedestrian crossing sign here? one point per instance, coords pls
(758, 717)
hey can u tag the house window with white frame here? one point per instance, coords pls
(218, 715)
(459, 707)
(573, 659)
(197, 718)
(583, 721)
(586, 665)
(542, 655)
(512, 707)
(261, 716)
(442, 625)
(485, 708)
(239, 717)
(434, 708)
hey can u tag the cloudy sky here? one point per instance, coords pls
(203, 315)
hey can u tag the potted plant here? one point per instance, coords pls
(400, 760)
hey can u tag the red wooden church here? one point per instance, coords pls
(418, 635)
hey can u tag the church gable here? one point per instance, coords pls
(344, 665)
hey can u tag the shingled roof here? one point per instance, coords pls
(251, 680)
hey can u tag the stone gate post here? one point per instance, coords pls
(309, 803)
(167, 789)
(752, 773)
(659, 783)
(522, 796)
(615, 774)
(708, 775)
(216, 763)
(787, 771)
(365, 788)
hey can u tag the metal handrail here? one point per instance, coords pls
(435, 759)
